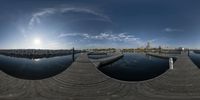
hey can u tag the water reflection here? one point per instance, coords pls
(195, 57)
(36, 60)
(34, 68)
(98, 56)
(136, 67)
(149, 57)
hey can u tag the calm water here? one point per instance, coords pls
(136, 67)
(195, 57)
(34, 68)
(98, 56)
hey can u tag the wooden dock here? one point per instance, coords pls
(83, 81)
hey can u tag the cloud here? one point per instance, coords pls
(152, 40)
(115, 37)
(36, 16)
(67, 34)
(173, 30)
(89, 11)
(22, 31)
(103, 36)
(35, 19)
(115, 40)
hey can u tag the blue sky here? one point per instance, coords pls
(60, 24)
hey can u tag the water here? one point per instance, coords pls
(195, 57)
(34, 68)
(136, 67)
(98, 56)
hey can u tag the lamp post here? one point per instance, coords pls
(73, 52)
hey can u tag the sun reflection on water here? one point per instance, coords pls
(36, 60)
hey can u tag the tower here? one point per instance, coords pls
(148, 45)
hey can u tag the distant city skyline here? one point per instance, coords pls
(59, 24)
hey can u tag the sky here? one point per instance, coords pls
(63, 24)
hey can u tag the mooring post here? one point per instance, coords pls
(73, 52)
(171, 66)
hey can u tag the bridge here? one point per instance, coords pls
(83, 81)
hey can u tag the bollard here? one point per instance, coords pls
(171, 66)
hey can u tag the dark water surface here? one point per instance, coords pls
(98, 56)
(195, 57)
(136, 67)
(34, 68)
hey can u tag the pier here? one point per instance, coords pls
(107, 60)
(83, 81)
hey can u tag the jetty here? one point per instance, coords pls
(83, 81)
(37, 53)
(107, 60)
(163, 56)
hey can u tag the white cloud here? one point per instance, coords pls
(173, 30)
(36, 16)
(114, 40)
(86, 36)
(67, 34)
(65, 10)
(103, 36)
(115, 37)
(35, 19)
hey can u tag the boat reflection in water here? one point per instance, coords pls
(34, 68)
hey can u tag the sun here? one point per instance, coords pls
(37, 41)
